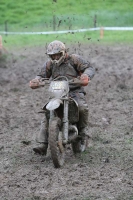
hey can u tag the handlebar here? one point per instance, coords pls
(75, 81)
(43, 81)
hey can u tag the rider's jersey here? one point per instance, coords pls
(72, 67)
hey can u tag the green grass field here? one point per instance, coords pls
(49, 15)
(110, 37)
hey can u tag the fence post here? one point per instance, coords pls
(54, 22)
(70, 24)
(95, 21)
(101, 32)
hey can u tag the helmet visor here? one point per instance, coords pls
(56, 56)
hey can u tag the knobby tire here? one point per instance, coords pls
(57, 151)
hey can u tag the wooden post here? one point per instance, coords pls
(101, 32)
(95, 21)
(54, 22)
(70, 24)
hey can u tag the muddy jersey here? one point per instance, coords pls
(72, 67)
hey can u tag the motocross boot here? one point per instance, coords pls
(86, 137)
(83, 132)
(42, 149)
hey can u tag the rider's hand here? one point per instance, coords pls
(34, 83)
(84, 79)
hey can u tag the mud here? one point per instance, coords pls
(105, 170)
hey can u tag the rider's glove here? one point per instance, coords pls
(84, 79)
(34, 83)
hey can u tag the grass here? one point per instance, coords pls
(110, 37)
(40, 15)
(76, 13)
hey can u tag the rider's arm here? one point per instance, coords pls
(83, 66)
(44, 73)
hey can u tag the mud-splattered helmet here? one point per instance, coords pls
(56, 47)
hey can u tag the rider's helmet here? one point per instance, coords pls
(56, 47)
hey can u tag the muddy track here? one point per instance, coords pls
(105, 170)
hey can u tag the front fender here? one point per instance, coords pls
(53, 104)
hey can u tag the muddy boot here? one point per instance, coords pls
(83, 140)
(83, 132)
(42, 149)
(86, 137)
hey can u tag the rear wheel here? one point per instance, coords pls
(55, 143)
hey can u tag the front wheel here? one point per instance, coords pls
(55, 143)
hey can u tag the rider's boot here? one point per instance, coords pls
(42, 149)
(86, 137)
(42, 138)
(84, 134)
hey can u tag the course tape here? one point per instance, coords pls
(69, 31)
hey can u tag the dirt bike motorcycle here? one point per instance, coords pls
(64, 116)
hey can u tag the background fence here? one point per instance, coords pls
(69, 31)
(73, 23)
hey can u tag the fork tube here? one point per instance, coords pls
(51, 115)
(65, 122)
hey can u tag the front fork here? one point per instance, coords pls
(65, 121)
(52, 115)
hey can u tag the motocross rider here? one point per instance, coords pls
(72, 66)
